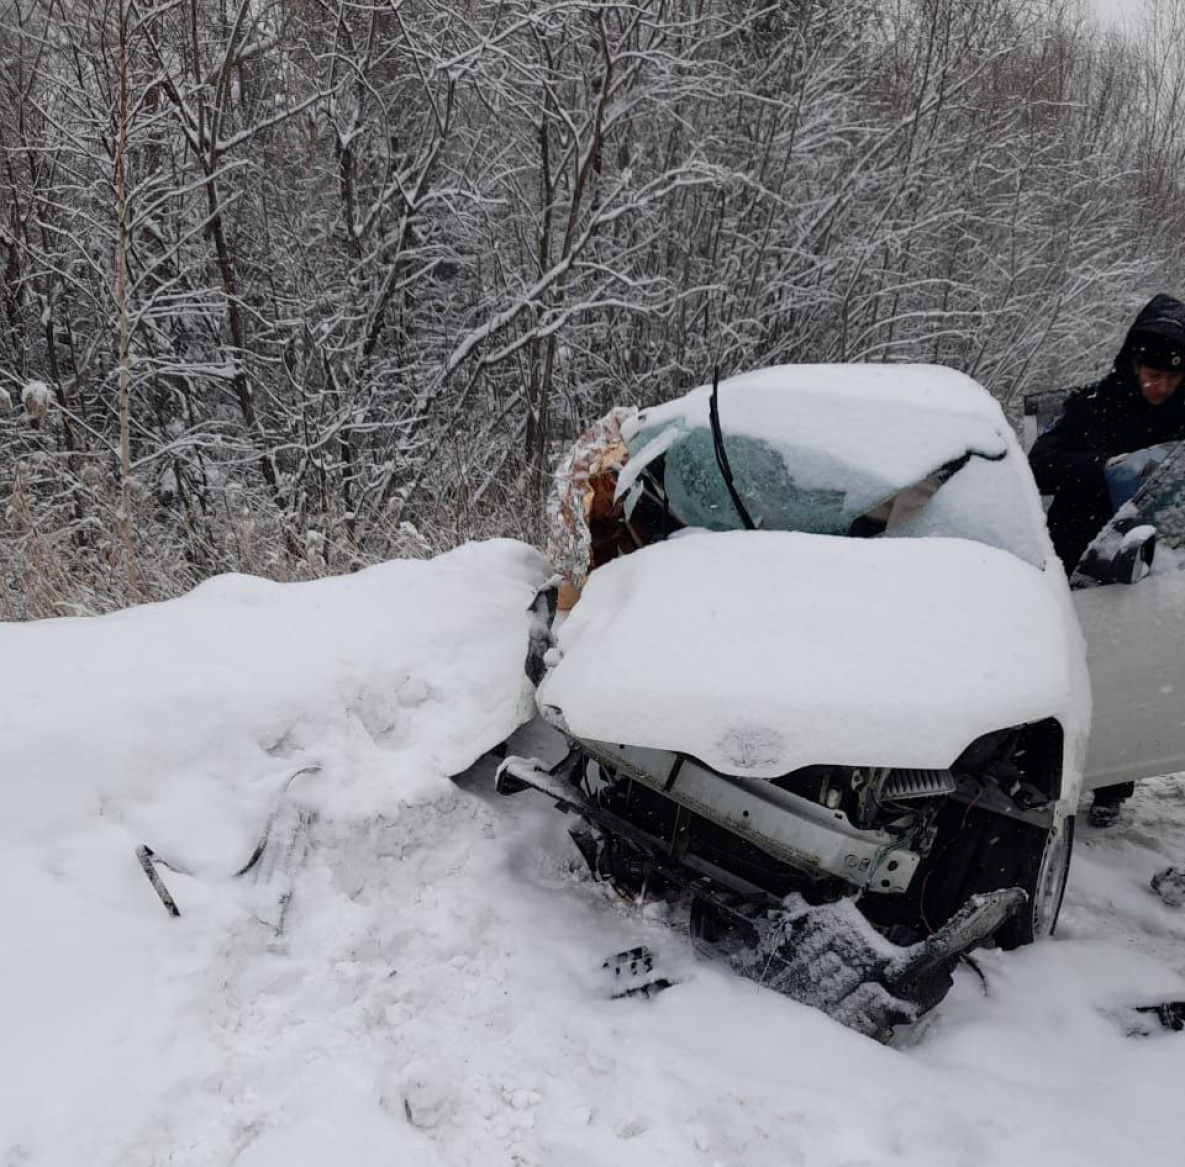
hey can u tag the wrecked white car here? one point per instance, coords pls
(836, 696)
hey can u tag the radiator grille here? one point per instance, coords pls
(901, 785)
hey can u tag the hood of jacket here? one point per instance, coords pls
(1163, 315)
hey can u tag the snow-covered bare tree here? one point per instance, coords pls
(349, 276)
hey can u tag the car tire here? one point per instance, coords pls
(979, 851)
(1043, 875)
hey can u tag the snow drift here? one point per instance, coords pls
(177, 725)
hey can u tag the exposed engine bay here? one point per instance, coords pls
(866, 826)
(782, 884)
(878, 834)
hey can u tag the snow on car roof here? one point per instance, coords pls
(867, 431)
(761, 652)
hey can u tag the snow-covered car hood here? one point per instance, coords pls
(761, 652)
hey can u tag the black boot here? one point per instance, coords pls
(1108, 800)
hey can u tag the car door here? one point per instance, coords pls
(1135, 636)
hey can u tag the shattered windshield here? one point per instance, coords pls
(778, 497)
(898, 450)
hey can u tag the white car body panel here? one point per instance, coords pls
(1136, 659)
(760, 652)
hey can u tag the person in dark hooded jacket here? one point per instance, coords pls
(1135, 406)
(1138, 404)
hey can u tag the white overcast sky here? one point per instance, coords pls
(1116, 11)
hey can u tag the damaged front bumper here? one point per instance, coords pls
(825, 955)
(808, 837)
(811, 838)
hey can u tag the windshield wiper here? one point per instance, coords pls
(721, 456)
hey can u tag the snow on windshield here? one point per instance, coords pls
(760, 652)
(813, 447)
(990, 502)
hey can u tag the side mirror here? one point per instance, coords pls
(1122, 555)
(1134, 558)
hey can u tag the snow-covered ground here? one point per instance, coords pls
(432, 991)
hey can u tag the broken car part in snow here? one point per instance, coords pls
(277, 808)
(1150, 1019)
(634, 477)
(827, 955)
(631, 974)
(1169, 884)
(830, 957)
(147, 860)
(278, 850)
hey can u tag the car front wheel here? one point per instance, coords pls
(980, 851)
(1043, 876)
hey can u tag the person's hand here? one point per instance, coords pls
(1144, 462)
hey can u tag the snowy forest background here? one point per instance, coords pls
(291, 286)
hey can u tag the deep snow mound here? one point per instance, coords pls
(180, 725)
